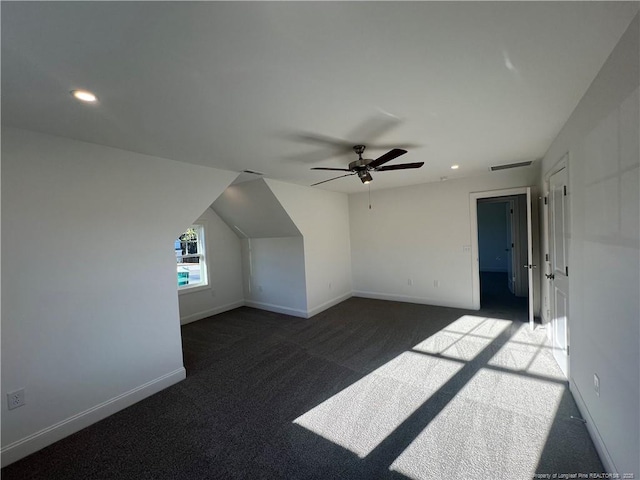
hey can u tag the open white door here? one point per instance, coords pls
(559, 276)
(530, 266)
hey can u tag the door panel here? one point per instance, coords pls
(560, 325)
(559, 262)
(558, 245)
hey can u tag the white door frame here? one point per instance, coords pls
(475, 258)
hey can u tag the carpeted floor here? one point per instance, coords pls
(496, 297)
(368, 389)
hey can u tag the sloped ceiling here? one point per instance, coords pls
(262, 85)
(252, 211)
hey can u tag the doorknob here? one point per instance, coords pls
(550, 276)
(530, 266)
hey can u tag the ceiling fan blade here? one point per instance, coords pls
(315, 156)
(402, 166)
(390, 155)
(332, 169)
(389, 146)
(322, 140)
(373, 128)
(334, 178)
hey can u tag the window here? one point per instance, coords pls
(190, 258)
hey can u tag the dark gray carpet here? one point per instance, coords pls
(365, 390)
(496, 297)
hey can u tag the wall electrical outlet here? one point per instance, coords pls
(436, 283)
(15, 399)
(596, 384)
(409, 282)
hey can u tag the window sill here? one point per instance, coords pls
(199, 288)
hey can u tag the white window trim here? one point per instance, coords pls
(201, 228)
(193, 289)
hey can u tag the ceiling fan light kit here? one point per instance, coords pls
(364, 166)
(365, 176)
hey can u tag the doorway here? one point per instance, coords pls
(502, 253)
(521, 269)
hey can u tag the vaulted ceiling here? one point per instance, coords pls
(274, 86)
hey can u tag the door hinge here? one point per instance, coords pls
(512, 211)
(512, 245)
(546, 200)
(567, 350)
(565, 190)
(566, 270)
(546, 257)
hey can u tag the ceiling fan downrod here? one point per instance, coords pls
(361, 166)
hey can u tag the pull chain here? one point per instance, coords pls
(369, 185)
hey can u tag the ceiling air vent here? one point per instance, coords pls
(495, 168)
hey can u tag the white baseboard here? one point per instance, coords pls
(212, 311)
(409, 299)
(36, 441)
(607, 461)
(276, 308)
(328, 304)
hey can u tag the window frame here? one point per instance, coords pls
(200, 229)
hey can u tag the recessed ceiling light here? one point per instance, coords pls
(84, 96)
(455, 167)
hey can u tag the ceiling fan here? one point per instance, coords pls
(364, 166)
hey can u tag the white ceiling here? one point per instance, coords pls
(238, 85)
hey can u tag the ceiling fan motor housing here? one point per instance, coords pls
(360, 164)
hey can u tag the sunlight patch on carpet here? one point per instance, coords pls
(471, 439)
(464, 338)
(483, 326)
(364, 414)
(495, 427)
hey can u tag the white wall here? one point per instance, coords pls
(602, 138)
(274, 274)
(323, 219)
(418, 234)
(90, 320)
(224, 266)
